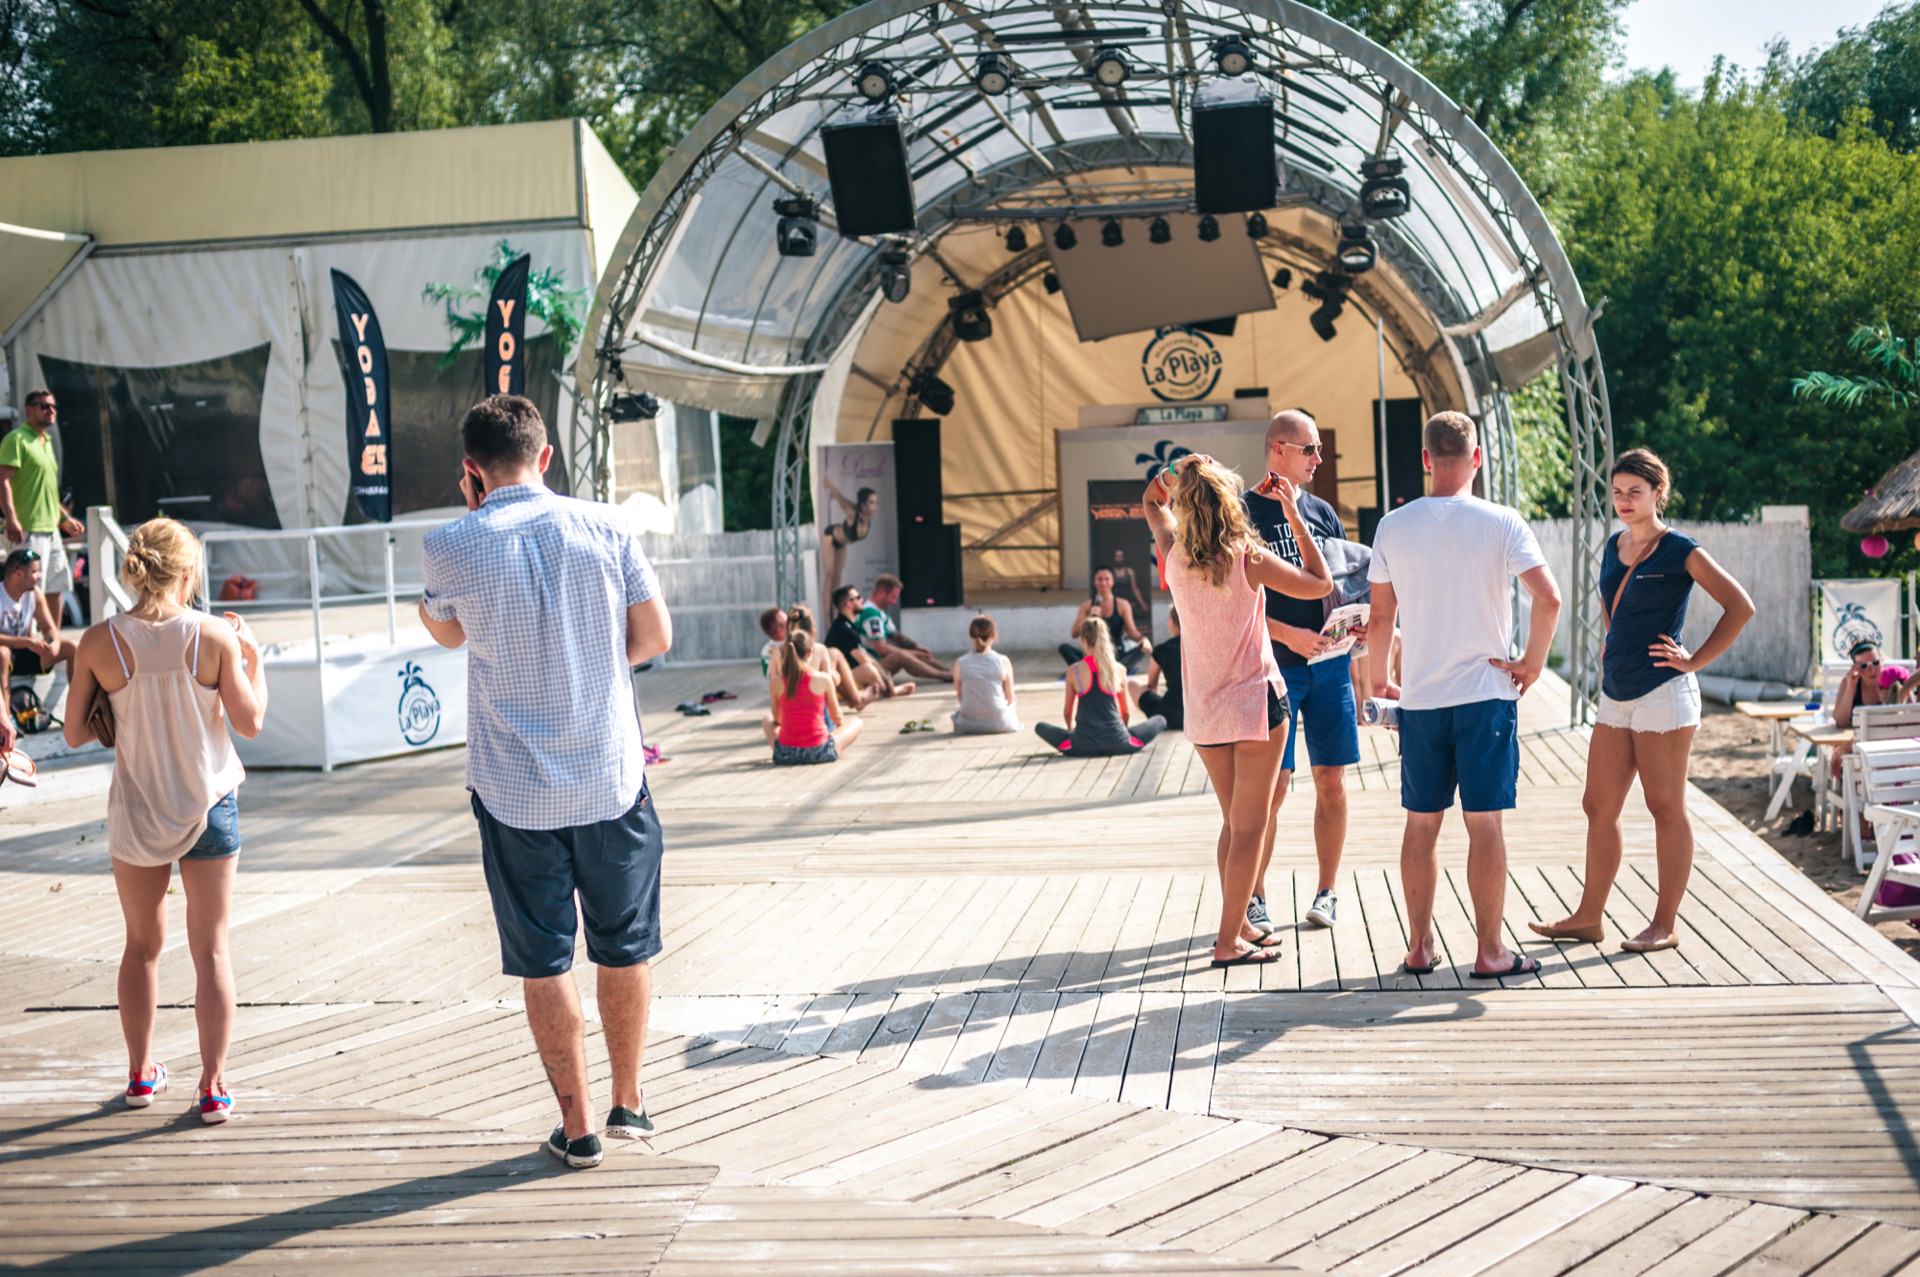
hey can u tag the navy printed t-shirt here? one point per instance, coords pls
(1270, 520)
(1655, 603)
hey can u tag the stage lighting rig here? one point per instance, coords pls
(1328, 286)
(993, 74)
(1232, 56)
(1064, 238)
(627, 406)
(1283, 279)
(1322, 321)
(798, 232)
(1356, 253)
(875, 82)
(896, 275)
(1016, 240)
(1051, 282)
(1384, 194)
(1257, 226)
(1110, 67)
(968, 314)
(1209, 228)
(1158, 232)
(932, 392)
(1110, 233)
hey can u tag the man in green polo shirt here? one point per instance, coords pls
(30, 497)
(894, 650)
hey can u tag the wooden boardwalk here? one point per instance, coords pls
(945, 1007)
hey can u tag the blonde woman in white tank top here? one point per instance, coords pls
(177, 680)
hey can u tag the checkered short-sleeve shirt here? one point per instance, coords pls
(541, 584)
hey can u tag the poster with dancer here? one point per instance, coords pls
(854, 510)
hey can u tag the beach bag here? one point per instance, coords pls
(1898, 895)
(29, 715)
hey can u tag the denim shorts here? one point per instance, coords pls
(1474, 747)
(805, 755)
(533, 875)
(222, 836)
(1323, 712)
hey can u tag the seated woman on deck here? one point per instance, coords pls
(1096, 705)
(808, 725)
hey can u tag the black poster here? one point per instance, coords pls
(506, 331)
(1120, 541)
(363, 357)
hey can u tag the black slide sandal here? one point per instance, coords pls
(1522, 965)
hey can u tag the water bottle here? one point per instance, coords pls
(1376, 711)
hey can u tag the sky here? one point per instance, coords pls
(1686, 34)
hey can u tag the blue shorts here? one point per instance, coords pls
(532, 875)
(1474, 746)
(1322, 697)
(222, 836)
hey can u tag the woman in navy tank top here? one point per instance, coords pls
(1649, 699)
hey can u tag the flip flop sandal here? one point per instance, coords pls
(1522, 965)
(1253, 957)
(1429, 969)
(722, 695)
(1268, 940)
(909, 727)
(693, 711)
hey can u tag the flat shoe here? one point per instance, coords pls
(1522, 965)
(1583, 935)
(1650, 946)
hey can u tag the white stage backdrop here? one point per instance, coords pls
(1854, 610)
(848, 468)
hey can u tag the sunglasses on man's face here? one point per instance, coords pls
(1311, 449)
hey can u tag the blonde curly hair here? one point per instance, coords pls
(160, 554)
(1213, 528)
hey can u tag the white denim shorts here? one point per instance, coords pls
(1667, 708)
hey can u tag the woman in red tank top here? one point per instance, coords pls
(809, 725)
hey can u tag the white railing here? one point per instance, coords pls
(106, 542)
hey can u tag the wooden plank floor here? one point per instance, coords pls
(946, 1007)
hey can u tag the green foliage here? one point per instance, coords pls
(1898, 382)
(1873, 69)
(563, 310)
(1546, 451)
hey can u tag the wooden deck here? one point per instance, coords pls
(945, 1007)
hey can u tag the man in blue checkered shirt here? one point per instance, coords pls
(555, 603)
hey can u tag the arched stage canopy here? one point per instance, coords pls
(1472, 295)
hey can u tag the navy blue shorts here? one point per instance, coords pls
(222, 836)
(1475, 747)
(1322, 697)
(533, 875)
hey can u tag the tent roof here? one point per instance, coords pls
(30, 261)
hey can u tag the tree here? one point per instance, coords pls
(1898, 381)
(1873, 69)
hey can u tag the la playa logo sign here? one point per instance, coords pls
(1180, 364)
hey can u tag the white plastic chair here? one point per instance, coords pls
(1891, 780)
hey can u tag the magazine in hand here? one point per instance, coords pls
(1339, 630)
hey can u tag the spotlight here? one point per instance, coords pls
(993, 73)
(1322, 321)
(1384, 194)
(627, 406)
(1016, 240)
(1283, 278)
(896, 276)
(1257, 226)
(1328, 286)
(1064, 238)
(1052, 282)
(799, 229)
(1232, 56)
(1209, 229)
(936, 394)
(1356, 252)
(1110, 67)
(1158, 232)
(1110, 234)
(968, 314)
(875, 82)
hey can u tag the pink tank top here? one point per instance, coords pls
(1226, 658)
(803, 716)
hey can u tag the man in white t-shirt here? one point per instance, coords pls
(1442, 566)
(30, 641)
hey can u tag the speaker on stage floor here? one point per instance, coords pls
(916, 473)
(930, 564)
(867, 167)
(1234, 170)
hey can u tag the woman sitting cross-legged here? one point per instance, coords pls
(983, 682)
(1096, 706)
(808, 726)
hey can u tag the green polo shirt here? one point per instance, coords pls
(875, 625)
(36, 478)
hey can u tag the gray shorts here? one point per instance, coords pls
(56, 574)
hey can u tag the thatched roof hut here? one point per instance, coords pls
(1892, 504)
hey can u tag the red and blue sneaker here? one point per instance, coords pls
(215, 1109)
(141, 1090)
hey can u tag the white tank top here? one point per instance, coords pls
(173, 758)
(16, 615)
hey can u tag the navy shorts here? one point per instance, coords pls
(222, 836)
(1475, 747)
(533, 875)
(1322, 697)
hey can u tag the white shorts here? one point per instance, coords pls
(1667, 708)
(56, 574)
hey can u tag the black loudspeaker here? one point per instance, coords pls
(930, 565)
(1406, 478)
(916, 475)
(867, 166)
(1234, 170)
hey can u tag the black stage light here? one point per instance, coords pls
(896, 276)
(1209, 229)
(1052, 282)
(968, 314)
(1322, 321)
(798, 232)
(1064, 238)
(627, 406)
(1110, 234)
(1283, 278)
(1232, 56)
(1257, 226)
(875, 82)
(1110, 67)
(1016, 240)
(1384, 194)
(993, 73)
(1356, 252)
(1158, 232)
(1328, 286)
(934, 393)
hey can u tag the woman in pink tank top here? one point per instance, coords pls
(176, 680)
(1236, 701)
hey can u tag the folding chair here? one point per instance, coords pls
(1890, 778)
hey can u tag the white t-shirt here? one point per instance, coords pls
(1450, 561)
(983, 697)
(17, 615)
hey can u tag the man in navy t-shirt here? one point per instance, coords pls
(1322, 692)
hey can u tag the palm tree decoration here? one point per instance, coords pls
(1898, 381)
(562, 309)
(1164, 454)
